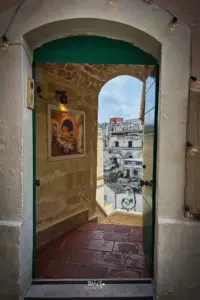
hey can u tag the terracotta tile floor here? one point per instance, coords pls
(94, 251)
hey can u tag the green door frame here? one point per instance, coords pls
(155, 148)
(91, 50)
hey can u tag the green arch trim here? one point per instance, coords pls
(92, 49)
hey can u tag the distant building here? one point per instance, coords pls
(133, 168)
(116, 120)
(121, 141)
(100, 171)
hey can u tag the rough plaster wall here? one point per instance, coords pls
(10, 135)
(26, 245)
(10, 170)
(187, 11)
(67, 186)
(193, 153)
(16, 226)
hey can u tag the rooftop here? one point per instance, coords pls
(116, 188)
(134, 159)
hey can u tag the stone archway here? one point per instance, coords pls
(94, 75)
(131, 21)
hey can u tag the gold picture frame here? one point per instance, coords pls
(66, 133)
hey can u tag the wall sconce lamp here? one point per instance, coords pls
(4, 46)
(174, 24)
(195, 84)
(61, 97)
(189, 145)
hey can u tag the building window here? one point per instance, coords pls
(116, 144)
(114, 160)
(105, 198)
(130, 144)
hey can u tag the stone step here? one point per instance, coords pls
(98, 289)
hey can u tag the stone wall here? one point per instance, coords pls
(66, 186)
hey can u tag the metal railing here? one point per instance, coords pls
(129, 203)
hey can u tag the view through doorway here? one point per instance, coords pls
(73, 153)
(119, 151)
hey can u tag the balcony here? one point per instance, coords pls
(125, 148)
(121, 132)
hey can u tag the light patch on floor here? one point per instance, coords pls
(123, 218)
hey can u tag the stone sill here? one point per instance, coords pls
(69, 289)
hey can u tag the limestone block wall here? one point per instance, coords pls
(66, 186)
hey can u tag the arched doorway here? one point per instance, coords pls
(60, 70)
(141, 28)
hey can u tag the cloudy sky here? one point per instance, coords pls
(120, 97)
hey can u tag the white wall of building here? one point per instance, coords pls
(124, 141)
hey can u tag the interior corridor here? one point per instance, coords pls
(94, 251)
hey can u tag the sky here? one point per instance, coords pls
(120, 97)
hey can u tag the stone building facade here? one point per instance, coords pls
(122, 140)
(122, 161)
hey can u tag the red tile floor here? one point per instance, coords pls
(94, 251)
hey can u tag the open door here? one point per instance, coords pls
(149, 165)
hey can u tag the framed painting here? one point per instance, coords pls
(66, 133)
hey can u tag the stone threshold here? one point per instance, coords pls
(93, 289)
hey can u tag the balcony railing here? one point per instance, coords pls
(125, 148)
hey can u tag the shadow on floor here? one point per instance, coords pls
(94, 251)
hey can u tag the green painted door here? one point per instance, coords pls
(149, 165)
